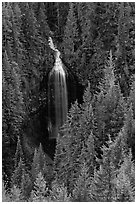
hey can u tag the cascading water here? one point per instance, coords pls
(57, 95)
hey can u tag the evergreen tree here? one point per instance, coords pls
(13, 110)
(17, 174)
(15, 194)
(128, 131)
(81, 188)
(88, 154)
(125, 45)
(109, 105)
(75, 143)
(26, 185)
(70, 38)
(131, 98)
(34, 56)
(59, 193)
(41, 164)
(68, 149)
(42, 20)
(125, 182)
(5, 195)
(40, 189)
(87, 130)
(117, 148)
(103, 186)
(12, 96)
(109, 76)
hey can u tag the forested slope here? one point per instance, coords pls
(95, 152)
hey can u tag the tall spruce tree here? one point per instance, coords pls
(41, 163)
(13, 110)
(75, 142)
(68, 149)
(110, 105)
(39, 192)
(81, 188)
(103, 185)
(125, 182)
(59, 193)
(70, 38)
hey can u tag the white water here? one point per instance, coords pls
(57, 94)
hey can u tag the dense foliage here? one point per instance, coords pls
(95, 151)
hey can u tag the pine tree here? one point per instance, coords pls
(68, 149)
(5, 195)
(17, 174)
(109, 105)
(103, 185)
(75, 142)
(131, 98)
(15, 194)
(125, 45)
(128, 131)
(87, 130)
(42, 19)
(109, 76)
(59, 193)
(40, 189)
(88, 154)
(41, 164)
(81, 188)
(117, 148)
(26, 185)
(125, 182)
(34, 55)
(86, 13)
(13, 110)
(12, 95)
(70, 38)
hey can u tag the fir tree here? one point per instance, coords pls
(41, 164)
(26, 185)
(75, 142)
(40, 189)
(131, 98)
(59, 193)
(17, 174)
(109, 77)
(5, 195)
(87, 116)
(13, 94)
(70, 39)
(103, 185)
(128, 131)
(109, 105)
(68, 149)
(42, 19)
(125, 43)
(15, 194)
(81, 188)
(88, 154)
(13, 109)
(117, 148)
(125, 182)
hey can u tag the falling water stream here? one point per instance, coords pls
(57, 95)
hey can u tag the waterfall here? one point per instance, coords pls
(57, 94)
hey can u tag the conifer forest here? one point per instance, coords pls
(68, 101)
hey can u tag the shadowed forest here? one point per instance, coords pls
(93, 157)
